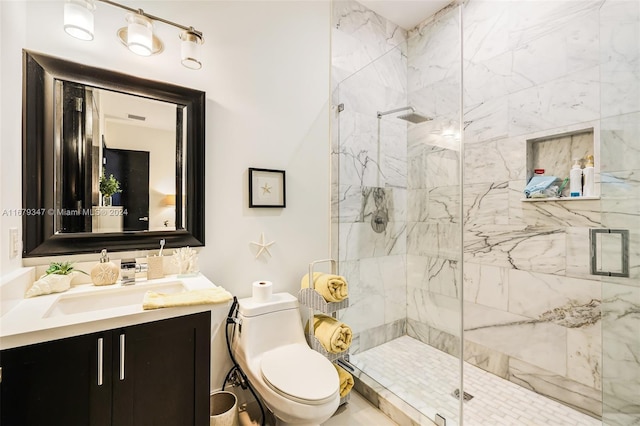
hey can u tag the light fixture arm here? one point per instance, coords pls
(152, 17)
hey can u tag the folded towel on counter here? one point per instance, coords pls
(346, 380)
(153, 300)
(334, 335)
(332, 287)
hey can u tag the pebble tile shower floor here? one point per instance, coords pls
(426, 378)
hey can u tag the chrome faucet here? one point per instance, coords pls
(128, 270)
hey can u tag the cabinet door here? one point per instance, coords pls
(161, 372)
(57, 383)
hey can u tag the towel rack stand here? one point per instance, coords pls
(314, 301)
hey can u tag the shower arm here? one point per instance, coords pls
(380, 114)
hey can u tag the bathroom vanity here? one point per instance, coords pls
(92, 355)
(155, 373)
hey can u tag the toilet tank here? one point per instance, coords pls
(268, 325)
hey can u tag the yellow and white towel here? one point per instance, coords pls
(334, 335)
(154, 300)
(332, 287)
(346, 380)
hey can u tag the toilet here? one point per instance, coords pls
(300, 386)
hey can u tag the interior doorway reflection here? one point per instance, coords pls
(131, 169)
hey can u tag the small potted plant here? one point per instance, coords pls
(56, 278)
(108, 187)
(62, 268)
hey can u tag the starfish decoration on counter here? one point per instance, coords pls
(264, 246)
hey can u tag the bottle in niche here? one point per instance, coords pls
(588, 189)
(105, 272)
(575, 180)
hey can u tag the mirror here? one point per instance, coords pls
(101, 133)
(97, 168)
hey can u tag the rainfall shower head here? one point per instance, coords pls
(412, 117)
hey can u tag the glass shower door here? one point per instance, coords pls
(396, 207)
(620, 204)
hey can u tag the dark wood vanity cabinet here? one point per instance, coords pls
(55, 383)
(166, 373)
(148, 374)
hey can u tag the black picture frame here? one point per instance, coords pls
(267, 188)
(40, 238)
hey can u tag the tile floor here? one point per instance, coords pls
(496, 401)
(357, 412)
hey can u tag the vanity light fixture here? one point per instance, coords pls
(190, 48)
(138, 35)
(78, 18)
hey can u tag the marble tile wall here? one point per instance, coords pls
(433, 211)
(369, 160)
(620, 131)
(533, 313)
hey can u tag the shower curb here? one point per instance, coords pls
(387, 402)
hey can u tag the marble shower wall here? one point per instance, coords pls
(533, 314)
(620, 133)
(369, 161)
(433, 186)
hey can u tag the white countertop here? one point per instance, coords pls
(27, 321)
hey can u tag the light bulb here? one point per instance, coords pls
(139, 34)
(78, 18)
(190, 49)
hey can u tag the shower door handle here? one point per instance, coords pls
(605, 244)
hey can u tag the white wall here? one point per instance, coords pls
(12, 37)
(266, 75)
(162, 169)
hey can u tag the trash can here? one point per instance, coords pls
(223, 409)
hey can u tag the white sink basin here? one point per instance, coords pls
(117, 297)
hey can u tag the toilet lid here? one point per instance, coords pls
(301, 374)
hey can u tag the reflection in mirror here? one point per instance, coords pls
(82, 125)
(102, 133)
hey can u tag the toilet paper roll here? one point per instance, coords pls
(262, 291)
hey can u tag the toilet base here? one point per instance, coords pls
(249, 412)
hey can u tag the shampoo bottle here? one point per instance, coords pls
(105, 272)
(588, 189)
(575, 180)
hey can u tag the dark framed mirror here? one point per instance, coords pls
(110, 160)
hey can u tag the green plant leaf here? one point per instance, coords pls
(109, 185)
(62, 268)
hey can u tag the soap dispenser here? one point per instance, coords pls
(589, 186)
(575, 180)
(105, 272)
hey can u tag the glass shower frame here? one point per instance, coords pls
(379, 162)
(354, 205)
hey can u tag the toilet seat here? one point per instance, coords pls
(300, 374)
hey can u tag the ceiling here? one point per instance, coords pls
(406, 13)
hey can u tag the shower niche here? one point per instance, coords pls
(556, 153)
